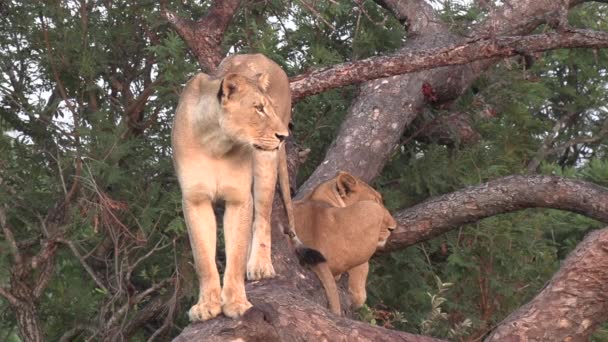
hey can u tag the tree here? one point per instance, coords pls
(112, 71)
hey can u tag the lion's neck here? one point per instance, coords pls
(204, 125)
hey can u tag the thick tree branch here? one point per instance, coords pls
(204, 37)
(572, 305)
(504, 195)
(371, 68)
(378, 117)
(282, 314)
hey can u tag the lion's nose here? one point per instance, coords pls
(281, 137)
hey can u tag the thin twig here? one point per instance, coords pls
(4, 292)
(314, 11)
(84, 264)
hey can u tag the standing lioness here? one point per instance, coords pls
(227, 134)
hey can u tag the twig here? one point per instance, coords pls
(317, 14)
(6, 294)
(136, 299)
(83, 262)
(144, 257)
(362, 9)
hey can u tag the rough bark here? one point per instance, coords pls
(385, 107)
(282, 313)
(441, 214)
(204, 37)
(572, 305)
(468, 51)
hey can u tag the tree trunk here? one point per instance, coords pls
(572, 305)
(385, 107)
(28, 323)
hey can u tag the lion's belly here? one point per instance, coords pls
(203, 177)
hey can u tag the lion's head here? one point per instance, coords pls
(248, 114)
(344, 190)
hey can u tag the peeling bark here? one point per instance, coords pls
(441, 214)
(572, 305)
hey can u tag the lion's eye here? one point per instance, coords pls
(259, 108)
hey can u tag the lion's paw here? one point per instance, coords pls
(259, 268)
(236, 309)
(203, 311)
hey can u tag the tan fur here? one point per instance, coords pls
(345, 220)
(221, 147)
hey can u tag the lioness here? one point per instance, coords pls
(227, 134)
(345, 220)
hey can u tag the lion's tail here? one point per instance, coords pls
(307, 256)
(317, 262)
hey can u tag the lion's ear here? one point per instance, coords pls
(231, 85)
(345, 183)
(263, 80)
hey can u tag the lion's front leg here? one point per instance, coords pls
(202, 232)
(237, 235)
(357, 277)
(259, 265)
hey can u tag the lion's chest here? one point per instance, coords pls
(203, 176)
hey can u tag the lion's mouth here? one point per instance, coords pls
(264, 148)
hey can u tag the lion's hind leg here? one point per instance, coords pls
(357, 277)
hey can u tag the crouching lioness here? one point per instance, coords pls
(345, 220)
(227, 137)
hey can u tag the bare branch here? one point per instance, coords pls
(204, 37)
(84, 264)
(544, 149)
(371, 68)
(4, 292)
(118, 314)
(314, 11)
(504, 195)
(572, 305)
